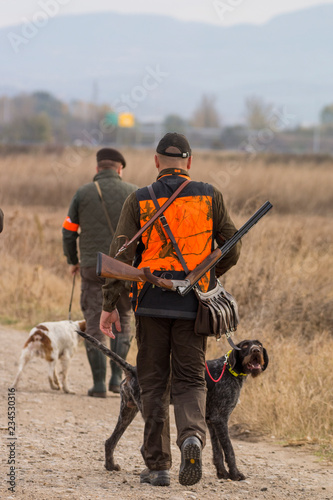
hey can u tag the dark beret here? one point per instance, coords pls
(110, 154)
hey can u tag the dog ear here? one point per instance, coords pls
(82, 325)
(265, 359)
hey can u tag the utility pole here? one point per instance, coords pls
(316, 139)
(94, 99)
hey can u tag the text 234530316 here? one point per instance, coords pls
(11, 445)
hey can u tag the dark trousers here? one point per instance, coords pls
(170, 360)
(91, 305)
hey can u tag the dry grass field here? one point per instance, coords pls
(283, 281)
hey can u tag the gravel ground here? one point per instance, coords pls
(58, 447)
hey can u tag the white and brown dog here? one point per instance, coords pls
(52, 341)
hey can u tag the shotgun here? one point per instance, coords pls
(109, 267)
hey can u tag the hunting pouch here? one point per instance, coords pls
(217, 312)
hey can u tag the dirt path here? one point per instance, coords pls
(58, 447)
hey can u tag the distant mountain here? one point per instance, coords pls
(155, 65)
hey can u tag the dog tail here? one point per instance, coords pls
(117, 359)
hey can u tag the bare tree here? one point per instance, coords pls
(326, 116)
(257, 113)
(206, 115)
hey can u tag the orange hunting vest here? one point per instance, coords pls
(190, 217)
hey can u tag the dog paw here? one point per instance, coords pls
(69, 391)
(112, 466)
(236, 476)
(222, 474)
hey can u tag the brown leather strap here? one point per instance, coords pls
(154, 217)
(167, 229)
(104, 208)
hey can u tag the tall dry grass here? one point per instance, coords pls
(282, 281)
(295, 185)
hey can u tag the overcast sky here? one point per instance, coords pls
(223, 12)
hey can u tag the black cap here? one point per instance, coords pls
(110, 154)
(175, 140)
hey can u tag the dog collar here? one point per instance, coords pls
(233, 372)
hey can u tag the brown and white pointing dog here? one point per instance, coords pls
(52, 341)
(222, 397)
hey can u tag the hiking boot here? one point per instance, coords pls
(155, 477)
(190, 468)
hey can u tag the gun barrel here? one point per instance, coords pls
(213, 258)
(228, 245)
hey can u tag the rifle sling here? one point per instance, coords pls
(154, 217)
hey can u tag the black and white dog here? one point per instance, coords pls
(222, 397)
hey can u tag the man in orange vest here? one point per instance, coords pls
(171, 357)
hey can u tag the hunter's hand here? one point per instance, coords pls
(74, 269)
(106, 321)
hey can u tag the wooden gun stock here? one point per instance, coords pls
(108, 267)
